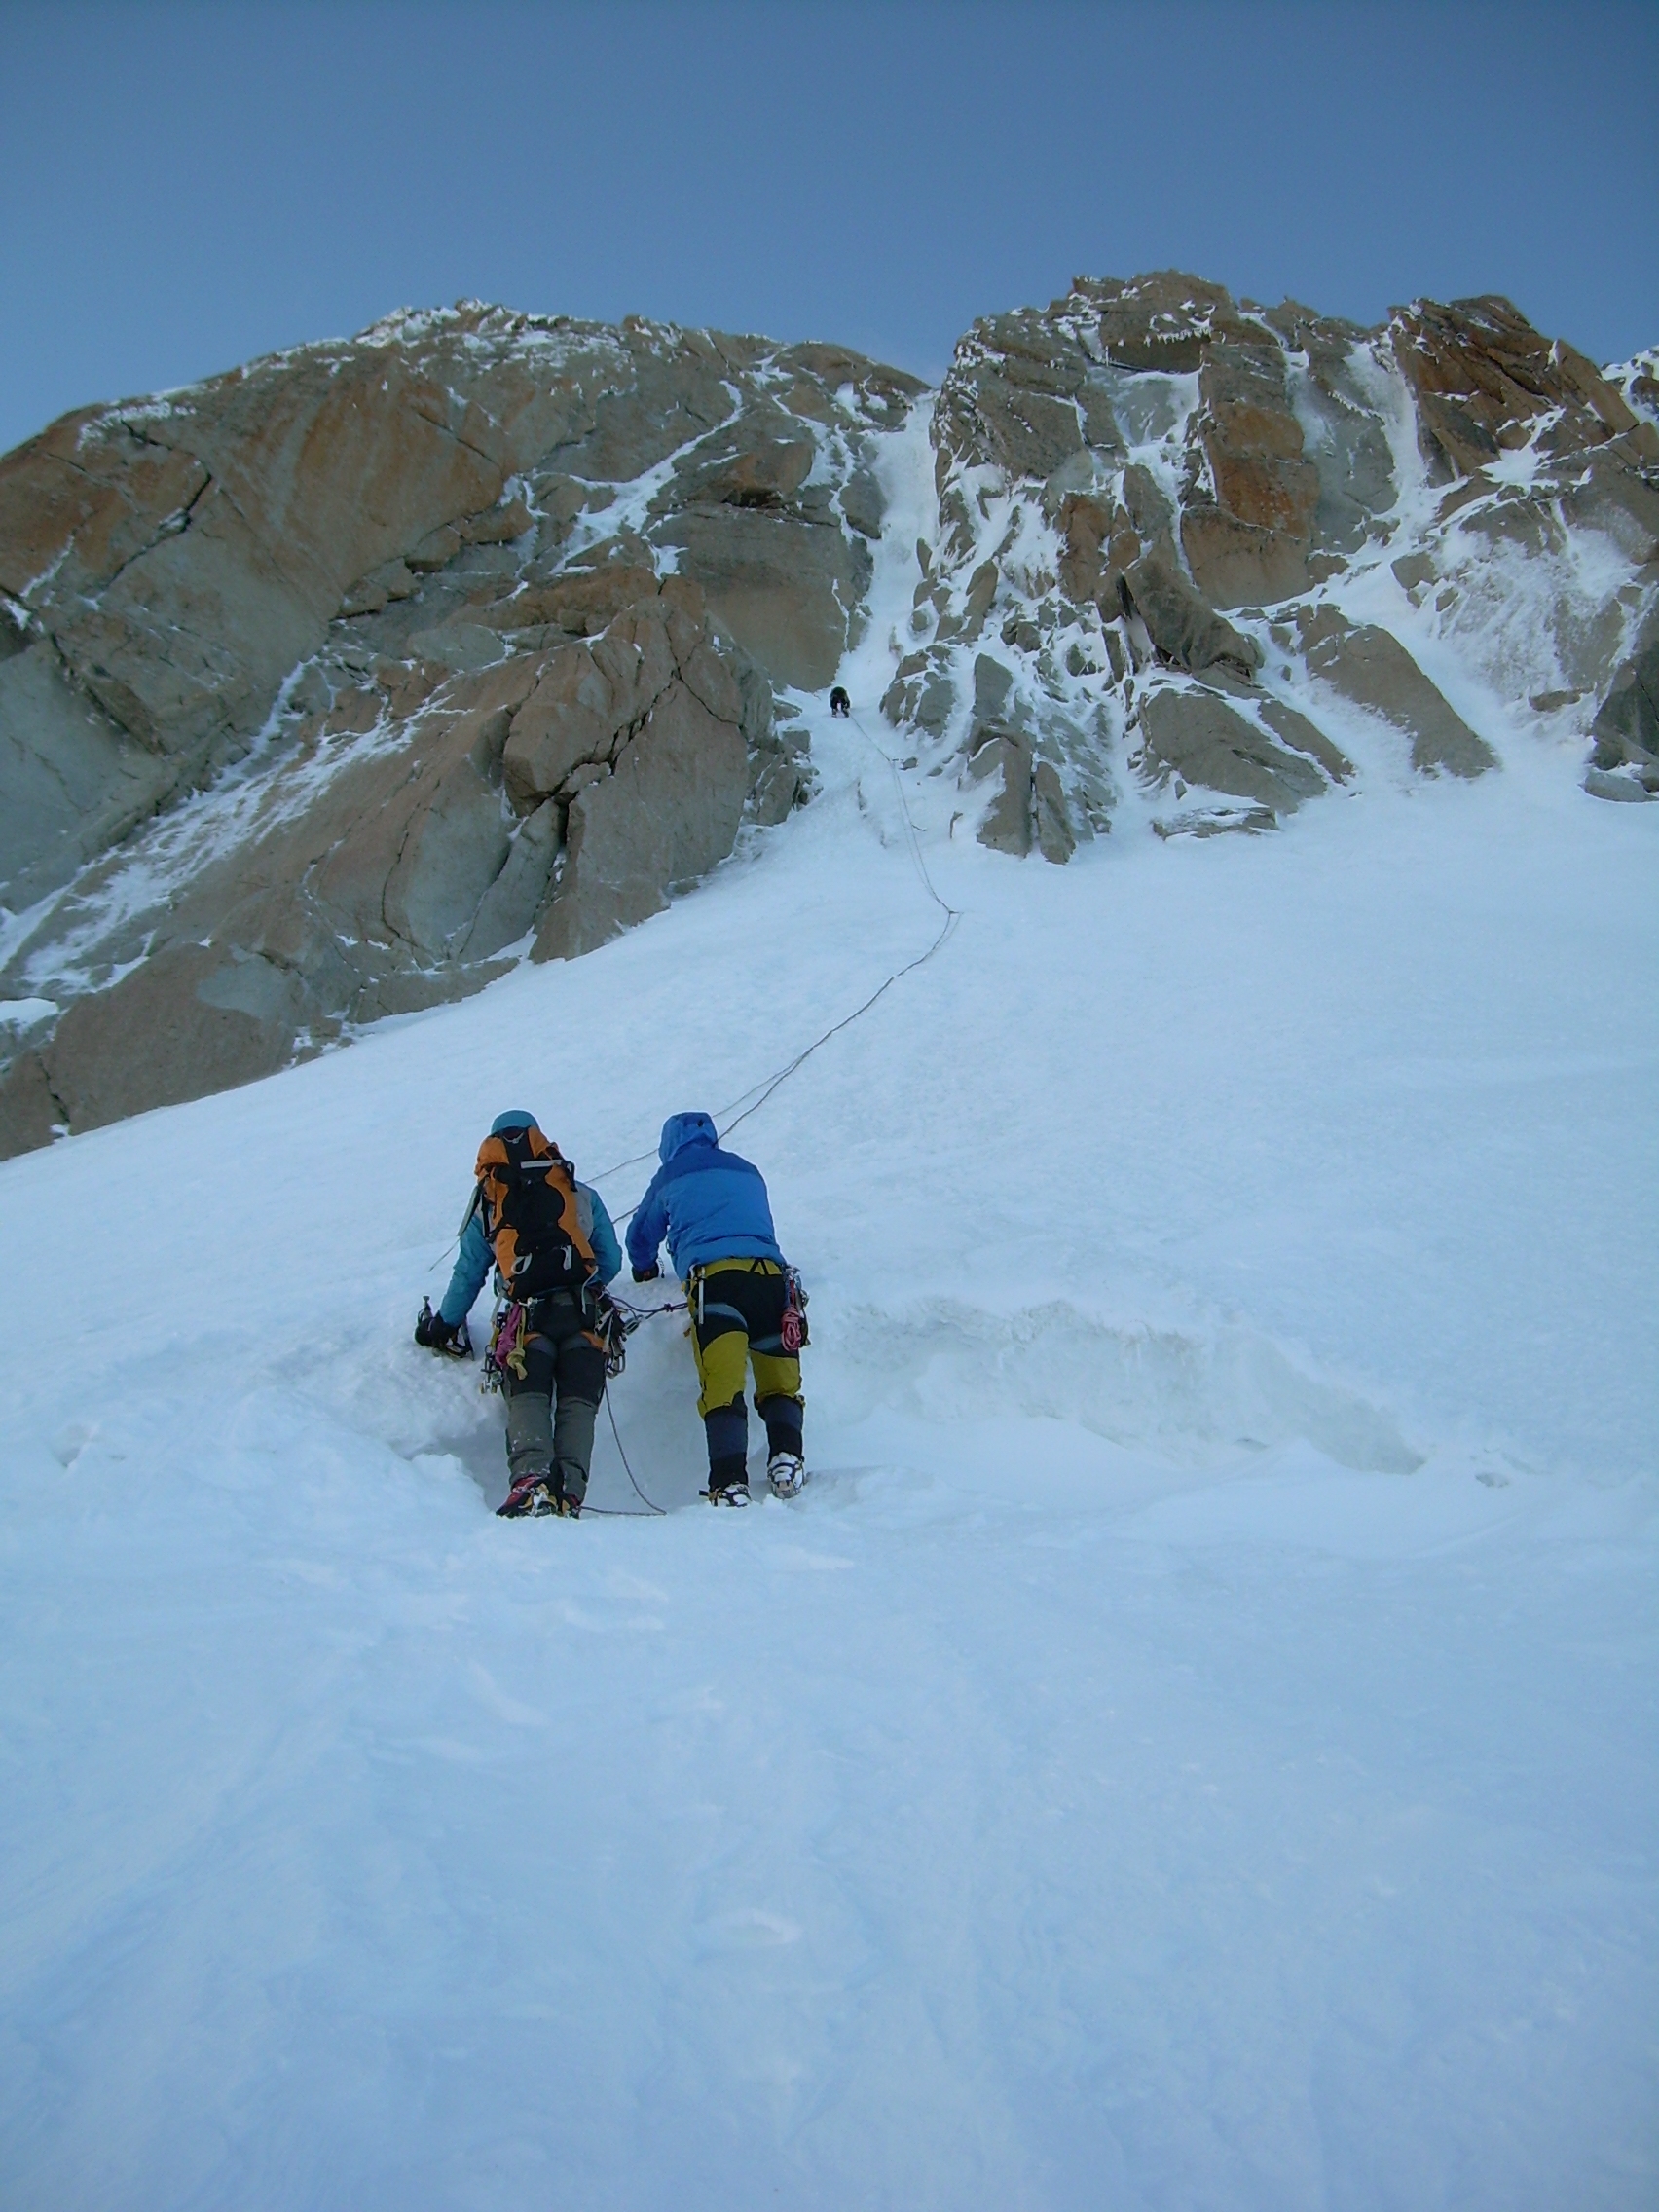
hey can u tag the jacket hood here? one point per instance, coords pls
(516, 1119)
(681, 1129)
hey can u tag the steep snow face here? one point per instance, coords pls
(1188, 1746)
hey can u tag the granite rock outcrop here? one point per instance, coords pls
(1156, 503)
(324, 682)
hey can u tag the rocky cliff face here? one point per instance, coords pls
(330, 681)
(1164, 518)
(331, 686)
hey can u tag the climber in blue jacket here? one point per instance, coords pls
(712, 1208)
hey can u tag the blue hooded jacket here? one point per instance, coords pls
(710, 1204)
(475, 1259)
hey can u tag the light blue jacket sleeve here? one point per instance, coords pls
(606, 1252)
(472, 1263)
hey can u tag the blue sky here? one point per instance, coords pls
(183, 186)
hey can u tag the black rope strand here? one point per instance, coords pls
(913, 835)
(769, 1083)
(650, 1504)
(952, 915)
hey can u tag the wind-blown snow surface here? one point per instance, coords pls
(1191, 1745)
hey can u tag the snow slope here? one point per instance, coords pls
(1191, 1745)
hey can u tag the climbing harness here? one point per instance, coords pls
(512, 1327)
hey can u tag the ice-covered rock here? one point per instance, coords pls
(1624, 763)
(1150, 482)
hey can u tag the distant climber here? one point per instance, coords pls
(746, 1303)
(554, 1251)
(839, 703)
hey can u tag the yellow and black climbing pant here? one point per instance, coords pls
(737, 1319)
(737, 1311)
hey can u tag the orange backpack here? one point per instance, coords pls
(527, 1190)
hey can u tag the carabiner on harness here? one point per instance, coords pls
(509, 1333)
(792, 1331)
(613, 1328)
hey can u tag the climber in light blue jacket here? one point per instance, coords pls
(475, 1258)
(551, 1360)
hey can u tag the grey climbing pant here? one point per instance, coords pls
(552, 1408)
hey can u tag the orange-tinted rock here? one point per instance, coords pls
(85, 498)
(1162, 321)
(307, 549)
(1484, 380)
(1101, 545)
(1252, 544)
(586, 699)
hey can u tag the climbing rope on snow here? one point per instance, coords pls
(913, 836)
(767, 1085)
(627, 1512)
(952, 915)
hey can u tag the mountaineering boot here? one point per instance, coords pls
(785, 1471)
(729, 1471)
(530, 1496)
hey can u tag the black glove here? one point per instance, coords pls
(647, 1275)
(433, 1331)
